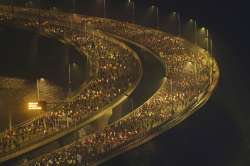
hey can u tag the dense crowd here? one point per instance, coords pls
(116, 70)
(188, 75)
(188, 71)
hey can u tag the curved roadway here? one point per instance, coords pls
(153, 73)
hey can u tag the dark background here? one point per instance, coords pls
(218, 134)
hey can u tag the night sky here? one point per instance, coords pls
(218, 134)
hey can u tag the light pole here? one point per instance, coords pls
(207, 38)
(10, 120)
(178, 22)
(204, 38)
(211, 47)
(38, 88)
(69, 79)
(132, 4)
(157, 14)
(74, 6)
(104, 8)
(212, 60)
(72, 66)
(157, 17)
(195, 32)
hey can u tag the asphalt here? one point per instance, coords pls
(153, 73)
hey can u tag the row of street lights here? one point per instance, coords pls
(153, 8)
(199, 36)
(175, 15)
(203, 33)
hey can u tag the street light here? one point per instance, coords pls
(74, 65)
(74, 6)
(209, 47)
(104, 8)
(10, 120)
(212, 60)
(38, 87)
(132, 4)
(204, 37)
(69, 79)
(194, 29)
(104, 5)
(73, 12)
(156, 8)
(207, 37)
(178, 21)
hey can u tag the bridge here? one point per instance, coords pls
(174, 79)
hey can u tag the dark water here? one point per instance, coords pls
(25, 57)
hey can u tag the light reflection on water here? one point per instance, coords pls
(15, 93)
